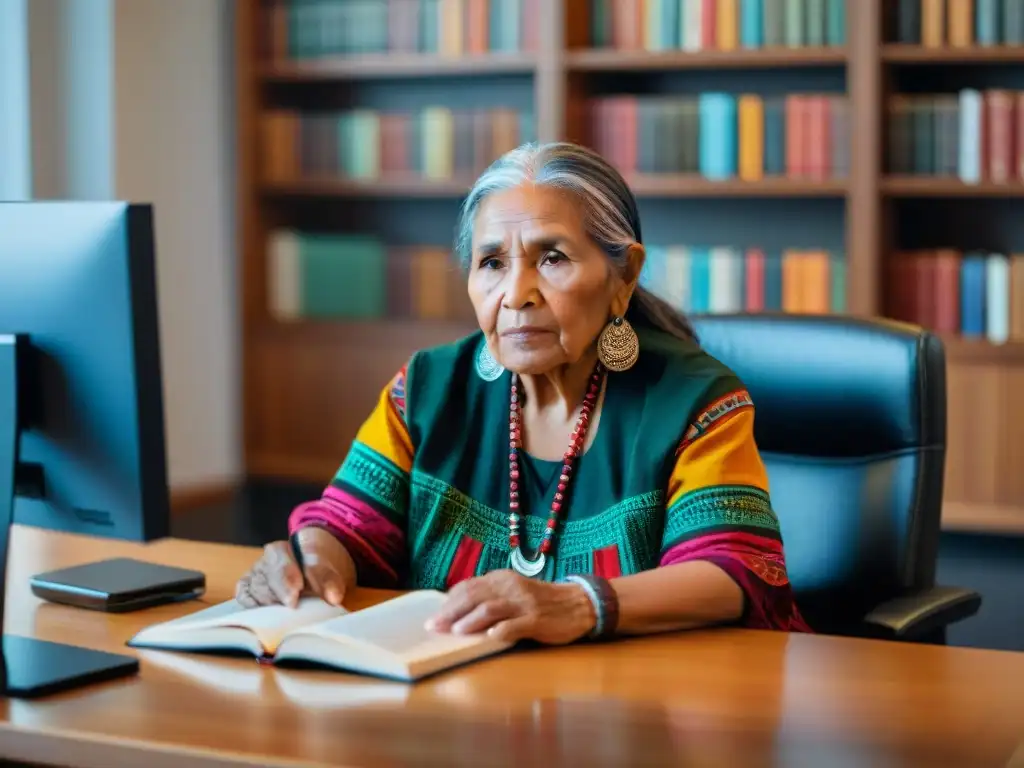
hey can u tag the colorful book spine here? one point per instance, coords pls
(330, 276)
(974, 294)
(721, 25)
(974, 135)
(316, 29)
(722, 136)
(323, 276)
(815, 12)
(726, 290)
(835, 23)
(726, 279)
(1012, 23)
(795, 24)
(957, 23)
(774, 17)
(435, 143)
(752, 24)
(751, 137)
(689, 24)
(700, 280)
(717, 136)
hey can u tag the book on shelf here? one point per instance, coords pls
(386, 640)
(332, 276)
(435, 143)
(973, 294)
(956, 23)
(973, 135)
(318, 29)
(724, 136)
(723, 279)
(716, 25)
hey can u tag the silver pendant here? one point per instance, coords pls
(523, 565)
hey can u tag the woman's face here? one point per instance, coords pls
(542, 290)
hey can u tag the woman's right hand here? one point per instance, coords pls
(276, 578)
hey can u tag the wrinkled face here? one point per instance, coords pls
(542, 290)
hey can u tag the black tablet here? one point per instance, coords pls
(118, 585)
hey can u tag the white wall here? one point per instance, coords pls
(173, 125)
(132, 99)
(15, 168)
(72, 99)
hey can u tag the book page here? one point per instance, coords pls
(202, 617)
(281, 618)
(396, 626)
(270, 622)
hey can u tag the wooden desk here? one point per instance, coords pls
(730, 698)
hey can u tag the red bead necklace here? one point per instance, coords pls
(577, 440)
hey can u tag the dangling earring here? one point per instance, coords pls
(618, 346)
(487, 368)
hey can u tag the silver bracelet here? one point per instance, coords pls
(604, 600)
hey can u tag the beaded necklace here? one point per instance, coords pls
(577, 440)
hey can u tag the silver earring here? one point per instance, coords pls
(487, 368)
(618, 346)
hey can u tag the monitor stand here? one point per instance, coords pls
(29, 667)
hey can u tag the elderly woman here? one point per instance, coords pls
(577, 467)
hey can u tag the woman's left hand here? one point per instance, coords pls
(511, 607)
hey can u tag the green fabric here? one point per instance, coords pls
(377, 479)
(458, 424)
(707, 510)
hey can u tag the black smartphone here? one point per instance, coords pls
(118, 585)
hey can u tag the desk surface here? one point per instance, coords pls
(716, 698)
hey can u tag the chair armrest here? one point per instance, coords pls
(919, 613)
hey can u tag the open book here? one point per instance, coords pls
(387, 640)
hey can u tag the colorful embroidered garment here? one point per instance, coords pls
(672, 474)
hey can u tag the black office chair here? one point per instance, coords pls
(851, 422)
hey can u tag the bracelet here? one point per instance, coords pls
(605, 601)
(293, 540)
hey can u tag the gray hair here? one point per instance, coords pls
(612, 218)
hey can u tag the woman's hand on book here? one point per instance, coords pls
(277, 577)
(510, 607)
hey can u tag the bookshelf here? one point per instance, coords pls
(397, 66)
(612, 60)
(904, 53)
(310, 380)
(895, 186)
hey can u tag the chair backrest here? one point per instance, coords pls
(851, 422)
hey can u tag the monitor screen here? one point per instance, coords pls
(78, 279)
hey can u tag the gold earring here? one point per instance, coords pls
(618, 346)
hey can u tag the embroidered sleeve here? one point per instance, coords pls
(719, 510)
(365, 505)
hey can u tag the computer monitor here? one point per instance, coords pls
(81, 401)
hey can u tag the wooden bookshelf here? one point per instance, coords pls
(653, 185)
(898, 53)
(605, 60)
(938, 186)
(967, 351)
(404, 66)
(309, 384)
(676, 185)
(385, 187)
(994, 519)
